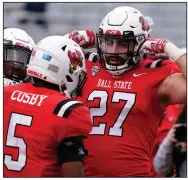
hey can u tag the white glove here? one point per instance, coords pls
(86, 38)
(160, 48)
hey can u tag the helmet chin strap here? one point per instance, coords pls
(63, 89)
(66, 93)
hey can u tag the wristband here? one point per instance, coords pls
(174, 52)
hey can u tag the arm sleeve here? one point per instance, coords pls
(163, 161)
(71, 149)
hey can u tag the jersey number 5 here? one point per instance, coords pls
(17, 142)
(116, 129)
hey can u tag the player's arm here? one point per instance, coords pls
(71, 153)
(173, 89)
(77, 125)
(181, 62)
(73, 169)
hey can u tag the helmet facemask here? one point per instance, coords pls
(118, 53)
(15, 62)
(129, 26)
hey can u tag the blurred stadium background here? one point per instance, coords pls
(41, 19)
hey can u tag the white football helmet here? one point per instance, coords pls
(184, 50)
(128, 27)
(59, 60)
(17, 46)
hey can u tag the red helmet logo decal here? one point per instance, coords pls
(75, 60)
(113, 32)
(33, 53)
(145, 25)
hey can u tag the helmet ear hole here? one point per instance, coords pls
(64, 47)
(69, 79)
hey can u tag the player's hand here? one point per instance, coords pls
(160, 47)
(171, 134)
(86, 38)
(154, 48)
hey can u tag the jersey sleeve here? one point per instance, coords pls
(73, 125)
(161, 69)
(169, 67)
(73, 119)
(80, 120)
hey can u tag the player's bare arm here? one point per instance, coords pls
(181, 62)
(73, 169)
(173, 89)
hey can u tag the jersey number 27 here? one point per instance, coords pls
(116, 129)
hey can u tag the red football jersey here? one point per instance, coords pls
(126, 114)
(171, 116)
(35, 120)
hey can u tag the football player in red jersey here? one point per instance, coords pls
(17, 47)
(127, 95)
(44, 128)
